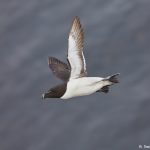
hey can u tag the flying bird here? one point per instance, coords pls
(74, 74)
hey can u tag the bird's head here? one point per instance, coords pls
(55, 92)
(49, 94)
(52, 94)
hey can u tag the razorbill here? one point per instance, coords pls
(74, 74)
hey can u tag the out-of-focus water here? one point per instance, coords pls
(117, 39)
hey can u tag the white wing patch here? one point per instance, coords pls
(75, 50)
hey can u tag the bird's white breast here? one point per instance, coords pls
(82, 86)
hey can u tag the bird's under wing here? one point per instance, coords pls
(59, 68)
(75, 50)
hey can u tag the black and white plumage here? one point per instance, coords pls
(74, 74)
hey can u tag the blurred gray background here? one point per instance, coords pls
(117, 39)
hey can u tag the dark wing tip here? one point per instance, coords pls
(77, 32)
(76, 18)
(76, 25)
(113, 78)
(55, 61)
(51, 60)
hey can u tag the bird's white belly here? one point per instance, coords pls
(82, 86)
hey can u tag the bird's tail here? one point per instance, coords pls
(113, 78)
(110, 80)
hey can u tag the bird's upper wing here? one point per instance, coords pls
(75, 50)
(59, 68)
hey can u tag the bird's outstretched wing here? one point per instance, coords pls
(75, 50)
(59, 68)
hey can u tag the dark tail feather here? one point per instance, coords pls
(105, 89)
(113, 78)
